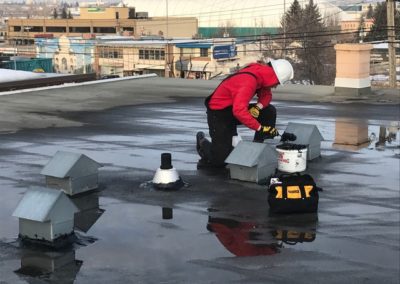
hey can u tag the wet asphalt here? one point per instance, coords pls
(215, 229)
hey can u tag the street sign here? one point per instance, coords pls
(224, 51)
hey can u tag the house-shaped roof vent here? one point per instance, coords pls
(39, 204)
(305, 133)
(67, 164)
(250, 154)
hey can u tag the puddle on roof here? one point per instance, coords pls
(137, 238)
(118, 240)
(132, 234)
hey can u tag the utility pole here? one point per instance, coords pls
(166, 8)
(391, 38)
(284, 29)
(15, 55)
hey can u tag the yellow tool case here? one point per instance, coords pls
(293, 193)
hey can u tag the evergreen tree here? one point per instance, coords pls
(55, 13)
(312, 41)
(64, 14)
(314, 61)
(379, 28)
(370, 12)
(291, 22)
(70, 15)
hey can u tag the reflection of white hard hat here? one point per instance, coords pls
(283, 70)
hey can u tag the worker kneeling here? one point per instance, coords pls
(229, 105)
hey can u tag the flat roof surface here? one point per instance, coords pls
(214, 229)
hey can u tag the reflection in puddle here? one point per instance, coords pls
(387, 135)
(293, 237)
(241, 238)
(86, 219)
(149, 185)
(167, 213)
(49, 266)
(252, 238)
(89, 210)
(352, 134)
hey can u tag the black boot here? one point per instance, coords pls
(200, 136)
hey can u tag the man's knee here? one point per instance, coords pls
(268, 116)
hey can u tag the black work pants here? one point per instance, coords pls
(223, 125)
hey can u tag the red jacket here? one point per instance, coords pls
(238, 91)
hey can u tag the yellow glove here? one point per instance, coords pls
(269, 131)
(254, 111)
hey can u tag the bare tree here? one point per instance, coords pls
(226, 30)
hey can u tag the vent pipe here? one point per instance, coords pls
(166, 176)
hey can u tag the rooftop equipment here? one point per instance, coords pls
(250, 161)
(166, 176)
(308, 135)
(45, 215)
(72, 172)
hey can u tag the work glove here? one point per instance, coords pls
(268, 132)
(288, 137)
(254, 111)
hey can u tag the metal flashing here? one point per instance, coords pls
(38, 203)
(250, 154)
(305, 133)
(68, 164)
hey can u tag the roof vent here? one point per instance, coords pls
(166, 176)
(72, 172)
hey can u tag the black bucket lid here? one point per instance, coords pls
(290, 146)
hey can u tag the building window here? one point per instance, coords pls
(36, 29)
(17, 28)
(79, 29)
(56, 29)
(104, 30)
(64, 63)
(128, 29)
(152, 54)
(111, 53)
(203, 52)
(186, 52)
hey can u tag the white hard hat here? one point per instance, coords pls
(283, 70)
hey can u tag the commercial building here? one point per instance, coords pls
(354, 25)
(3, 32)
(101, 21)
(192, 59)
(235, 17)
(124, 56)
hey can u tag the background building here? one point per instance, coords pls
(234, 17)
(72, 55)
(101, 21)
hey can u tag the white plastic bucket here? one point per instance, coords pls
(292, 160)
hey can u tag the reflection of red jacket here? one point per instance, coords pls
(236, 240)
(240, 89)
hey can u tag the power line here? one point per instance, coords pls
(238, 11)
(292, 35)
(178, 53)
